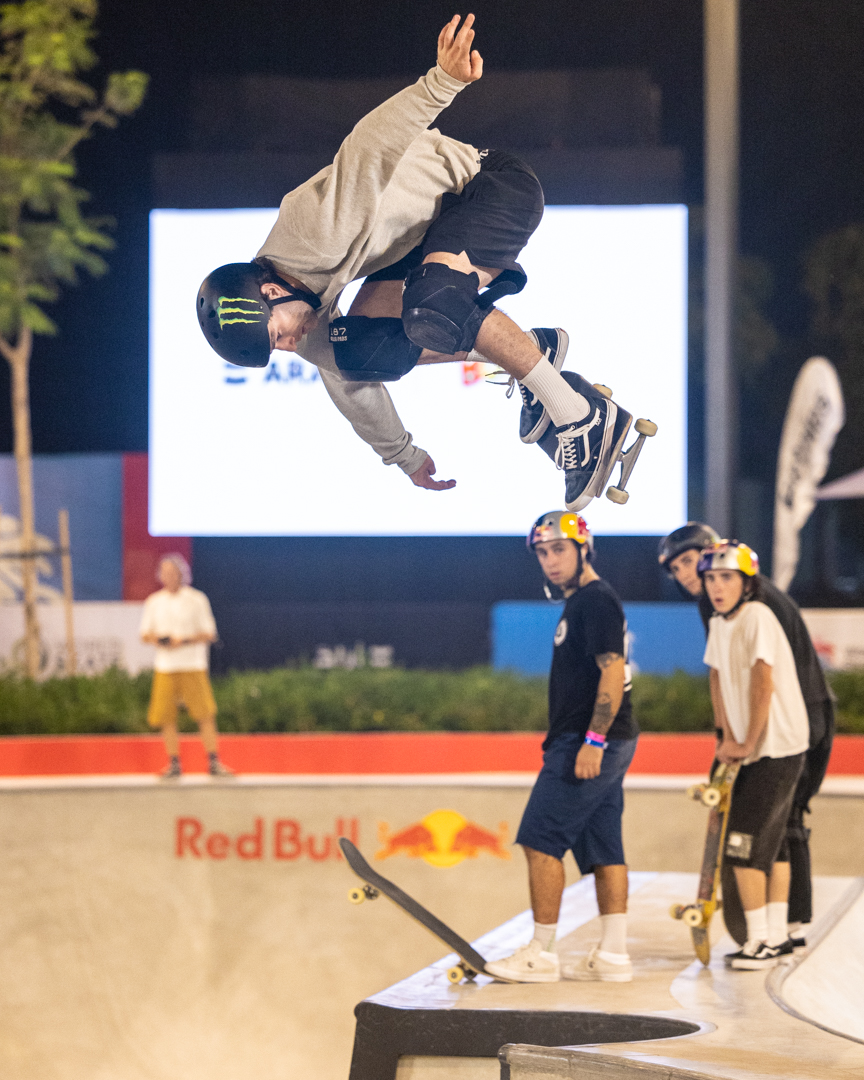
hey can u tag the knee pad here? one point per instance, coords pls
(372, 350)
(441, 309)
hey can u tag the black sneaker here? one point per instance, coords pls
(754, 957)
(534, 419)
(172, 771)
(588, 450)
(797, 945)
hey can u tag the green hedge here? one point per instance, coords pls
(306, 699)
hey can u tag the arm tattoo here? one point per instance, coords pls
(606, 659)
(601, 718)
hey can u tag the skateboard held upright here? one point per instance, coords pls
(717, 796)
(471, 963)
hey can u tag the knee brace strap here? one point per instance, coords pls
(372, 350)
(440, 308)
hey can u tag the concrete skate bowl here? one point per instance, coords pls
(384, 1034)
(826, 987)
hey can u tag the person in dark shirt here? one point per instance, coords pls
(577, 801)
(679, 555)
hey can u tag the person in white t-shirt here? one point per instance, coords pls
(759, 706)
(179, 622)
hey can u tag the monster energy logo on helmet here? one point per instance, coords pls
(243, 311)
(233, 315)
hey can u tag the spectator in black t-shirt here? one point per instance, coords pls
(577, 801)
(679, 556)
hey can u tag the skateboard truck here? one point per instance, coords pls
(691, 915)
(708, 794)
(363, 892)
(645, 429)
(461, 971)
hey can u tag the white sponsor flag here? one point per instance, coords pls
(814, 417)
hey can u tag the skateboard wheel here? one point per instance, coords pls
(695, 792)
(455, 975)
(692, 917)
(617, 495)
(676, 911)
(711, 796)
(356, 896)
(645, 427)
(602, 389)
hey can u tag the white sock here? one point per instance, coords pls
(793, 929)
(545, 934)
(475, 357)
(757, 925)
(562, 402)
(614, 936)
(778, 914)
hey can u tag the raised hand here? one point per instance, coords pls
(455, 54)
(423, 477)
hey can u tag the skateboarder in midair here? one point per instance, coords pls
(759, 706)
(429, 222)
(577, 801)
(679, 556)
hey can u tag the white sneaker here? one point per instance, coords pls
(529, 964)
(599, 966)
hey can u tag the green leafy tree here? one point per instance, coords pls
(46, 110)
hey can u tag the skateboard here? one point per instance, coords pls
(645, 429)
(471, 963)
(717, 796)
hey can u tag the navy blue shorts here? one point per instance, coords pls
(582, 816)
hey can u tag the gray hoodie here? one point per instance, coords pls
(365, 211)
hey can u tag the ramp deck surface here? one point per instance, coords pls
(743, 1033)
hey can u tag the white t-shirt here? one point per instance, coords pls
(183, 614)
(734, 646)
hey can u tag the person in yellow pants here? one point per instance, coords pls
(177, 619)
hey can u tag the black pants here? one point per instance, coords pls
(821, 717)
(491, 219)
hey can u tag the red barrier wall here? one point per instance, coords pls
(366, 753)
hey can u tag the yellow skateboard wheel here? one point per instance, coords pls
(356, 896)
(711, 796)
(617, 495)
(645, 427)
(692, 917)
(455, 975)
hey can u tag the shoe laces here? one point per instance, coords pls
(571, 440)
(512, 382)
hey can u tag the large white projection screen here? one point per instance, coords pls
(264, 452)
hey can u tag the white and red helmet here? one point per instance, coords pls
(560, 525)
(729, 555)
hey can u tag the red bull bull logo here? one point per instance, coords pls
(443, 838)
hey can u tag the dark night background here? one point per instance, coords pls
(802, 175)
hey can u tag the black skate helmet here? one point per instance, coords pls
(694, 536)
(233, 315)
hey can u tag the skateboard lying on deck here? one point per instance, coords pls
(717, 796)
(471, 963)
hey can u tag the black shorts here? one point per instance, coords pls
(761, 803)
(491, 220)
